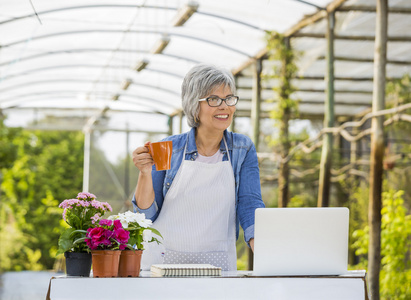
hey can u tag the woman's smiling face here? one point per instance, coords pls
(217, 118)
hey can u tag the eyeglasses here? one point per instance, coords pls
(215, 101)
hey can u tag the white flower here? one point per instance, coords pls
(147, 235)
(130, 217)
(145, 223)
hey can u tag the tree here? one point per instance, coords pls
(45, 169)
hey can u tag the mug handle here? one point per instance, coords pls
(149, 148)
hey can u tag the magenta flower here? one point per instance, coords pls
(117, 224)
(121, 235)
(107, 235)
(97, 236)
(105, 222)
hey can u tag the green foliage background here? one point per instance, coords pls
(395, 275)
(37, 170)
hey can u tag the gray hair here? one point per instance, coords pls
(199, 82)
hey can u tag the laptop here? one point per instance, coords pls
(301, 241)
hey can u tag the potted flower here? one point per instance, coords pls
(106, 240)
(79, 214)
(139, 228)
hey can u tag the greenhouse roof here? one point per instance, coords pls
(122, 62)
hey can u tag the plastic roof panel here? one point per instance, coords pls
(85, 54)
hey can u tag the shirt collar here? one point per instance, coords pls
(192, 147)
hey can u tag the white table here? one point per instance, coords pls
(239, 285)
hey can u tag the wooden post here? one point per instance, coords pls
(377, 149)
(180, 127)
(232, 125)
(284, 170)
(256, 103)
(354, 148)
(255, 123)
(326, 155)
(170, 125)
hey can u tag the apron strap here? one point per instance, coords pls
(226, 147)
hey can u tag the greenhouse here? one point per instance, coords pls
(324, 94)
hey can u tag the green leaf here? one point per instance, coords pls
(155, 231)
(65, 241)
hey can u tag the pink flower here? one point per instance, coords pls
(117, 224)
(68, 203)
(86, 196)
(97, 236)
(121, 235)
(105, 222)
(84, 213)
(95, 218)
(109, 235)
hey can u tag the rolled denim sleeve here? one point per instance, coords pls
(150, 212)
(249, 193)
(249, 233)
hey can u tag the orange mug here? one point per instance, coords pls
(161, 154)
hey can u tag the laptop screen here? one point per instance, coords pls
(301, 241)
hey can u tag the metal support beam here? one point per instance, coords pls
(326, 155)
(184, 13)
(377, 148)
(86, 160)
(127, 170)
(88, 129)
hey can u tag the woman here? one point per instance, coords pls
(199, 203)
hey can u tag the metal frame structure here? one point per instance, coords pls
(100, 61)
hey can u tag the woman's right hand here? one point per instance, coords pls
(142, 159)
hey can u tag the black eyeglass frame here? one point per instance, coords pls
(221, 100)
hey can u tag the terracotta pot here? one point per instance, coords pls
(105, 262)
(130, 263)
(78, 263)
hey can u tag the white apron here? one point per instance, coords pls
(197, 219)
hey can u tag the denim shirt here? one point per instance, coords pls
(246, 174)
